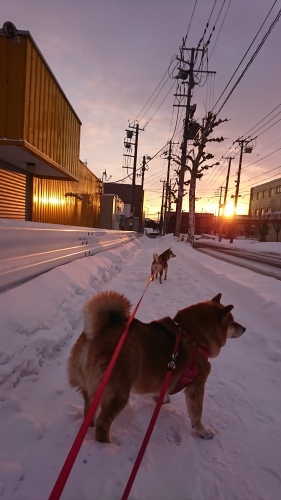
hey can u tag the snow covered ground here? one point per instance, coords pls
(40, 414)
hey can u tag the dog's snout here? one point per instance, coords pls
(236, 330)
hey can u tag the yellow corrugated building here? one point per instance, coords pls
(40, 142)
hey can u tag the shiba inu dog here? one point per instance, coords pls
(160, 264)
(143, 360)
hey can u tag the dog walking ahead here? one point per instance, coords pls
(160, 264)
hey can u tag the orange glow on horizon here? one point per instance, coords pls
(229, 209)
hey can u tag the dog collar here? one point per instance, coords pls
(191, 370)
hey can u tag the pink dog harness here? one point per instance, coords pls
(191, 371)
(163, 263)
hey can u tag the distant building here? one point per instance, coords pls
(243, 225)
(204, 223)
(265, 198)
(111, 212)
(124, 191)
(265, 208)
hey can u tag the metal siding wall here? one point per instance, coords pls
(33, 107)
(29, 196)
(12, 195)
(51, 125)
(13, 58)
(51, 205)
(3, 84)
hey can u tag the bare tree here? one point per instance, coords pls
(275, 218)
(263, 226)
(248, 226)
(197, 159)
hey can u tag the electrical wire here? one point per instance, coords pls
(254, 127)
(185, 38)
(205, 30)
(161, 103)
(167, 71)
(250, 62)
(264, 157)
(246, 133)
(219, 32)
(214, 26)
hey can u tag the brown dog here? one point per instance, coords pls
(160, 264)
(144, 357)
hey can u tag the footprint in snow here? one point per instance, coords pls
(173, 436)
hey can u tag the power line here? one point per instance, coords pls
(167, 71)
(251, 60)
(245, 55)
(262, 120)
(184, 40)
(255, 162)
(220, 28)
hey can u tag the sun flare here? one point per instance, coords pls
(229, 210)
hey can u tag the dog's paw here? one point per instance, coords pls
(206, 433)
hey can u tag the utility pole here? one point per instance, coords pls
(167, 186)
(221, 188)
(133, 199)
(184, 144)
(128, 145)
(143, 169)
(227, 181)
(162, 205)
(169, 202)
(225, 195)
(242, 143)
(188, 111)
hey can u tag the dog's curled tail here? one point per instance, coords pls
(104, 309)
(156, 257)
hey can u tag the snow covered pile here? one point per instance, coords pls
(40, 414)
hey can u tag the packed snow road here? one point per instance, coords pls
(268, 267)
(41, 415)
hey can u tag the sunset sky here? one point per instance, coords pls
(115, 61)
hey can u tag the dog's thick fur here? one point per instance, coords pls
(142, 362)
(160, 264)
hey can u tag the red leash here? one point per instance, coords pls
(68, 464)
(171, 367)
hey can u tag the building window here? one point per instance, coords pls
(259, 195)
(257, 212)
(264, 194)
(262, 211)
(253, 212)
(278, 189)
(268, 210)
(270, 193)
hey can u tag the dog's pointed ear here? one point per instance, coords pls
(225, 310)
(217, 298)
